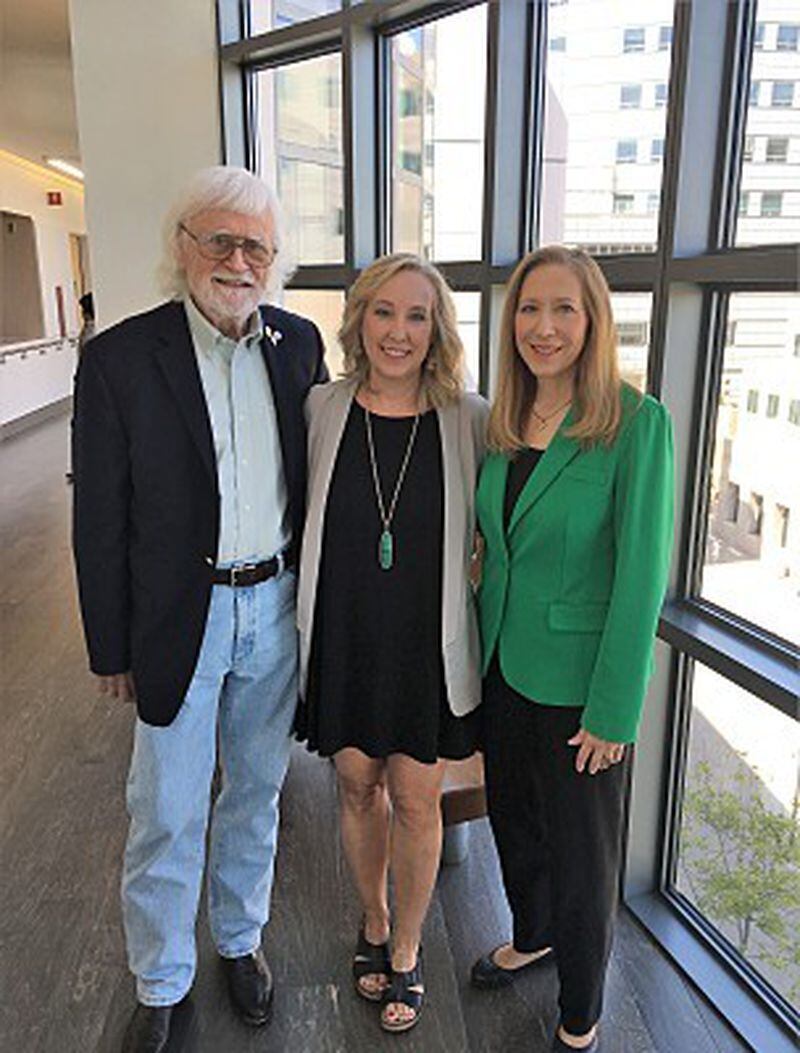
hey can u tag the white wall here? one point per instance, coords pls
(148, 117)
(23, 189)
(30, 383)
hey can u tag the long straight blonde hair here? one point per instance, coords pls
(596, 405)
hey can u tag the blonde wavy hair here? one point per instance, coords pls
(442, 372)
(596, 404)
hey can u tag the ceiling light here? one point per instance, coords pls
(65, 167)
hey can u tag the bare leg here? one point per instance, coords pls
(415, 792)
(364, 817)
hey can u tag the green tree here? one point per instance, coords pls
(742, 862)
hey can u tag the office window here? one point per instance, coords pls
(782, 516)
(756, 517)
(657, 150)
(272, 14)
(787, 38)
(630, 96)
(664, 38)
(769, 141)
(438, 138)
(771, 203)
(653, 199)
(737, 855)
(468, 313)
(301, 152)
(758, 40)
(585, 145)
(777, 150)
(325, 308)
(744, 202)
(558, 44)
(631, 334)
(750, 452)
(632, 319)
(797, 345)
(622, 203)
(633, 39)
(782, 93)
(794, 411)
(661, 94)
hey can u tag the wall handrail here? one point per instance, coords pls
(23, 348)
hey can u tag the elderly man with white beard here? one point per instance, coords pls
(189, 462)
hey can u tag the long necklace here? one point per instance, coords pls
(386, 540)
(543, 419)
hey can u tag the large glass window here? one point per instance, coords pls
(739, 842)
(437, 120)
(468, 311)
(325, 308)
(300, 152)
(632, 317)
(598, 146)
(772, 169)
(272, 14)
(755, 573)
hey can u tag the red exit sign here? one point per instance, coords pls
(54, 197)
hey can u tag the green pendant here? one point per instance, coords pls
(386, 550)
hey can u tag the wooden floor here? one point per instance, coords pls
(64, 983)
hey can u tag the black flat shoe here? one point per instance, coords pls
(148, 1029)
(407, 989)
(561, 1047)
(250, 987)
(371, 959)
(488, 975)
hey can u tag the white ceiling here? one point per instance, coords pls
(37, 97)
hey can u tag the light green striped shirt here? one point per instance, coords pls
(252, 487)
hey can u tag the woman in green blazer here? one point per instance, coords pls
(575, 507)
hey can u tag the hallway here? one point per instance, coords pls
(65, 749)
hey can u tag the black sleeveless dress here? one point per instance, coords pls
(375, 676)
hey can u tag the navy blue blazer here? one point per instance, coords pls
(146, 505)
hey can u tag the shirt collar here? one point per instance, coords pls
(209, 339)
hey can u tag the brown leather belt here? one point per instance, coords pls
(252, 573)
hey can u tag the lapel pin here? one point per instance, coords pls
(274, 335)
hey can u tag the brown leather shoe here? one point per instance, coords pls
(250, 987)
(148, 1029)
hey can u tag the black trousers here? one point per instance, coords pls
(559, 838)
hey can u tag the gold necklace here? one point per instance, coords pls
(543, 419)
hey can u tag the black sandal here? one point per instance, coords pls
(406, 989)
(371, 959)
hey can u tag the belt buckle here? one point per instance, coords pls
(235, 571)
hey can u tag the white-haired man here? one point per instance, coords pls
(189, 461)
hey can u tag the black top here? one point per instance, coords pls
(519, 471)
(376, 676)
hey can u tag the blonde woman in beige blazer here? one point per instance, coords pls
(389, 648)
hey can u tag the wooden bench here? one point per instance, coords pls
(463, 799)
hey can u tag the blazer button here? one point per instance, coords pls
(209, 561)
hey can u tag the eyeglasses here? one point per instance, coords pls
(220, 246)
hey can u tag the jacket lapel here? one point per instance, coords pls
(556, 457)
(176, 357)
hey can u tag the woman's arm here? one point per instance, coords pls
(643, 514)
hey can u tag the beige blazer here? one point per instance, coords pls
(462, 426)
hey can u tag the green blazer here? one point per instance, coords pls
(570, 596)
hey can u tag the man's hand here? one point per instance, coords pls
(118, 685)
(598, 753)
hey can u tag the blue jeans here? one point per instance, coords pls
(240, 704)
